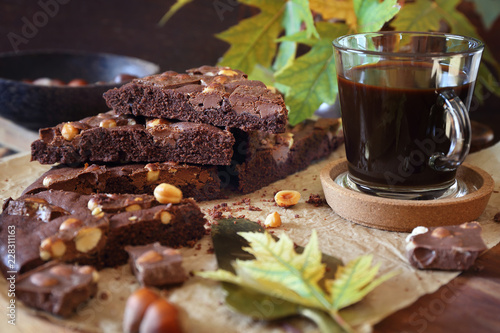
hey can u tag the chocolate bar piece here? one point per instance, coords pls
(57, 288)
(91, 229)
(156, 265)
(445, 248)
(195, 181)
(109, 137)
(263, 158)
(218, 96)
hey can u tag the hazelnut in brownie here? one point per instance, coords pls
(195, 181)
(109, 137)
(57, 288)
(156, 265)
(218, 96)
(264, 158)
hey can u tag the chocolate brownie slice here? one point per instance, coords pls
(263, 158)
(91, 229)
(109, 137)
(217, 96)
(140, 222)
(195, 181)
(50, 225)
(57, 288)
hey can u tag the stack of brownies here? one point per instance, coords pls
(209, 132)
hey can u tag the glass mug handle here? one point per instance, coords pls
(460, 133)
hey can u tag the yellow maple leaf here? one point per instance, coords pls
(342, 10)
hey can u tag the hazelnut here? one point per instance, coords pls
(89, 270)
(133, 208)
(165, 217)
(156, 122)
(287, 198)
(47, 181)
(77, 83)
(68, 131)
(52, 249)
(131, 122)
(152, 176)
(92, 204)
(135, 308)
(97, 211)
(273, 220)
(440, 232)
(87, 239)
(62, 270)
(43, 280)
(171, 252)
(149, 257)
(107, 123)
(166, 193)
(70, 223)
(470, 225)
(227, 72)
(161, 316)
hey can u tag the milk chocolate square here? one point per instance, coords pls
(453, 247)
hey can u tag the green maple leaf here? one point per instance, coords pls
(489, 11)
(311, 79)
(280, 272)
(373, 14)
(418, 16)
(296, 13)
(253, 40)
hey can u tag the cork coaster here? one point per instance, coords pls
(404, 215)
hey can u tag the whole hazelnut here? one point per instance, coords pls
(135, 308)
(77, 83)
(161, 316)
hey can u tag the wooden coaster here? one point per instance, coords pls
(404, 215)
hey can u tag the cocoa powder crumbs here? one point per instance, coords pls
(316, 200)
(496, 218)
(297, 216)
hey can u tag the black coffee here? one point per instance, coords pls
(394, 121)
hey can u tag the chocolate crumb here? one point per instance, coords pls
(496, 218)
(316, 200)
(297, 216)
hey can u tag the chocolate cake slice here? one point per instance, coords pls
(264, 158)
(195, 181)
(218, 96)
(91, 229)
(109, 137)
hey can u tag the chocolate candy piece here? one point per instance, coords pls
(446, 248)
(156, 265)
(218, 96)
(57, 288)
(109, 137)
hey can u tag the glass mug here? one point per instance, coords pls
(404, 99)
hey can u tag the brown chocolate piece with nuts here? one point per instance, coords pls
(57, 288)
(93, 229)
(109, 137)
(155, 265)
(445, 248)
(195, 181)
(218, 96)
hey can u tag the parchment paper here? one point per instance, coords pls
(202, 301)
